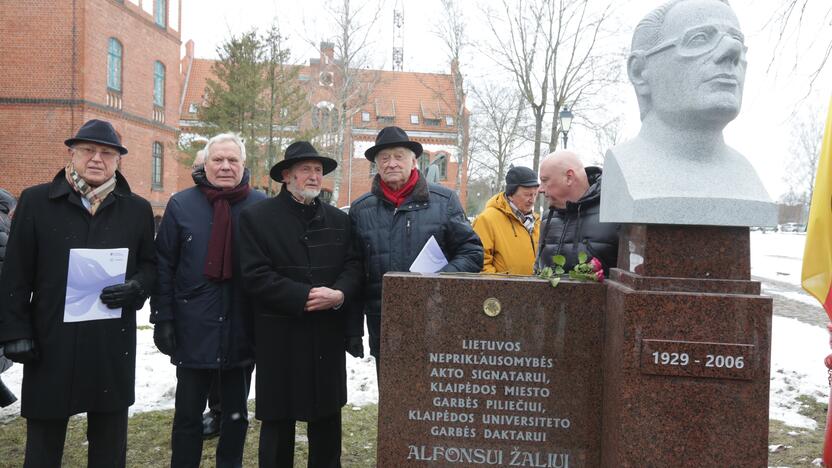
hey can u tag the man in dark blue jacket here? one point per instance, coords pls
(399, 215)
(201, 315)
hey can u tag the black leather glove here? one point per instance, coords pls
(22, 351)
(355, 346)
(164, 336)
(127, 294)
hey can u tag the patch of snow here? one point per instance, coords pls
(797, 353)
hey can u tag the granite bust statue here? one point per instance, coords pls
(687, 65)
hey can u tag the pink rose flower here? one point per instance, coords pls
(596, 264)
(599, 275)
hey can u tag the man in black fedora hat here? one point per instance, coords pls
(84, 363)
(399, 215)
(302, 271)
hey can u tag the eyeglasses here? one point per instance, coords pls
(88, 152)
(699, 40)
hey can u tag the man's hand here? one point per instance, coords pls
(22, 351)
(126, 294)
(164, 336)
(355, 346)
(323, 298)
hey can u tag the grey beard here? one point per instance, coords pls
(306, 196)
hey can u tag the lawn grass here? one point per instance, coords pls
(148, 441)
(799, 447)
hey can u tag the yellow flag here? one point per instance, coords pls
(816, 277)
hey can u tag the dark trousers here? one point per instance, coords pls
(106, 434)
(374, 330)
(277, 443)
(191, 390)
(214, 393)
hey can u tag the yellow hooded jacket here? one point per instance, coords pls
(508, 246)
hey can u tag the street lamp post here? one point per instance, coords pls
(565, 117)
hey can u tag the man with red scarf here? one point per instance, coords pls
(399, 215)
(201, 314)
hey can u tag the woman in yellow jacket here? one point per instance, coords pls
(508, 227)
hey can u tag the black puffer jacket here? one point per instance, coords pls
(7, 204)
(577, 229)
(390, 238)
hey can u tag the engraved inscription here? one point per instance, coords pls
(697, 359)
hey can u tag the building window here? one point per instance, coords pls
(424, 162)
(414, 119)
(442, 162)
(161, 12)
(365, 116)
(156, 170)
(384, 119)
(158, 84)
(193, 108)
(449, 120)
(325, 197)
(114, 57)
(432, 122)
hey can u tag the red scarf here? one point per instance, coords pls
(397, 197)
(218, 261)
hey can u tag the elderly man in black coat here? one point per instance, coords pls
(71, 366)
(200, 313)
(301, 270)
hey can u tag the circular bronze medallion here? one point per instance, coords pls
(491, 307)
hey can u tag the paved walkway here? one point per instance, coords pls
(786, 307)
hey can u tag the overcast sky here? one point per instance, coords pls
(773, 94)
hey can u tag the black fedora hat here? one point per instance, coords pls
(301, 151)
(98, 131)
(391, 137)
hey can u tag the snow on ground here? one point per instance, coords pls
(797, 366)
(777, 255)
(797, 353)
(156, 376)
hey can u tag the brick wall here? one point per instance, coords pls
(38, 110)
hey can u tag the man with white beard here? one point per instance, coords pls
(301, 270)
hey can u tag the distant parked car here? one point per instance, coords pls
(764, 229)
(792, 227)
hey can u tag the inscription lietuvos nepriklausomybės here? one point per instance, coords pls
(493, 392)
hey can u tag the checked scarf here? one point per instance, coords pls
(94, 195)
(526, 219)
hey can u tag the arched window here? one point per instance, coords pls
(442, 161)
(156, 170)
(424, 162)
(158, 84)
(114, 58)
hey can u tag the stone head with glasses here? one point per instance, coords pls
(687, 65)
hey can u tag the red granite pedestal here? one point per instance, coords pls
(490, 370)
(686, 351)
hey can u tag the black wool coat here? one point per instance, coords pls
(212, 319)
(286, 249)
(83, 366)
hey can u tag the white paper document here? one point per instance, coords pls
(90, 271)
(430, 259)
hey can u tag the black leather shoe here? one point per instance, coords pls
(210, 425)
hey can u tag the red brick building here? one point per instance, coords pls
(64, 63)
(423, 104)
